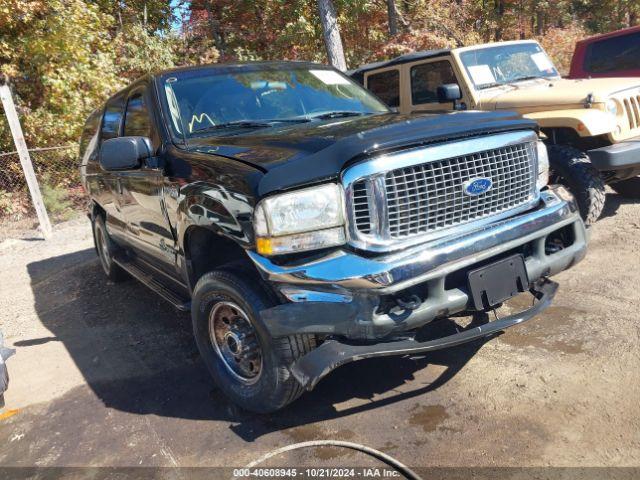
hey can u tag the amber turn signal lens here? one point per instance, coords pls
(263, 245)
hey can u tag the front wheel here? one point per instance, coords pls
(573, 169)
(249, 366)
(629, 188)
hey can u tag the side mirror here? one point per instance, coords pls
(124, 153)
(449, 92)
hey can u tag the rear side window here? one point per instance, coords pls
(112, 118)
(426, 78)
(614, 54)
(386, 86)
(136, 120)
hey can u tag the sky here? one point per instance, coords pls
(179, 8)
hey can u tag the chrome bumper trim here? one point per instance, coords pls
(343, 269)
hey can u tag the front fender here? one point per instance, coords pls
(217, 208)
(586, 122)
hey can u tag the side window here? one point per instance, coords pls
(386, 86)
(136, 119)
(614, 54)
(112, 118)
(426, 78)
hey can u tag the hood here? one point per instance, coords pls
(554, 92)
(297, 154)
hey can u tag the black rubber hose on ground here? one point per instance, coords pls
(383, 457)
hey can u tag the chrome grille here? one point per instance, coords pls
(419, 194)
(429, 197)
(361, 214)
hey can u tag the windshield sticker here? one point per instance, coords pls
(199, 119)
(329, 77)
(481, 74)
(542, 61)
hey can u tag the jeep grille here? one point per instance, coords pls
(632, 110)
(421, 199)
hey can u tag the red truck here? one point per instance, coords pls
(614, 54)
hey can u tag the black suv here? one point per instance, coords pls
(305, 225)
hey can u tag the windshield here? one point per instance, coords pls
(215, 101)
(505, 64)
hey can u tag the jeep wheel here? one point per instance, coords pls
(106, 249)
(629, 188)
(573, 169)
(249, 366)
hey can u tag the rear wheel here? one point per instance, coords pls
(573, 169)
(249, 366)
(628, 188)
(106, 249)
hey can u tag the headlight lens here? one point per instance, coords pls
(307, 219)
(612, 107)
(543, 165)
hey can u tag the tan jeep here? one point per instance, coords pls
(591, 126)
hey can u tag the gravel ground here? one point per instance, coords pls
(108, 375)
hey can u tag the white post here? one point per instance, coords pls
(25, 159)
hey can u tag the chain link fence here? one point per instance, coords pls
(57, 171)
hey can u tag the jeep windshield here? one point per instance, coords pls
(507, 64)
(237, 99)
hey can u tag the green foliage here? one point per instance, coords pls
(66, 56)
(6, 204)
(139, 52)
(61, 67)
(56, 200)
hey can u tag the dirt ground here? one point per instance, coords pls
(108, 375)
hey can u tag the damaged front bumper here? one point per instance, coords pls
(352, 297)
(311, 368)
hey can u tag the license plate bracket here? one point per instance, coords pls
(499, 281)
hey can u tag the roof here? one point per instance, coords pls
(407, 58)
(248, 65)
(615, 33)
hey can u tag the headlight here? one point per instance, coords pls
(612, 107)
(306, 219)
(543, 165)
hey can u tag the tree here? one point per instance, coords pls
(332, 40)
(392, 13)
(65, 58)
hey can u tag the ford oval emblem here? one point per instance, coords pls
(477, 186)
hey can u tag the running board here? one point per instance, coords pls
(148, 280)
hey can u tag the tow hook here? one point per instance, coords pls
(411, 303)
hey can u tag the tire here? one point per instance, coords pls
(573, 169)
(106, 249)
(629, 188)
(273, 386)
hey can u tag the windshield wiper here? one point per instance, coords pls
(519, 79)
(526, 77)
(336, 114)
(250, 124)
(290, 120)
(235, 124)
(490, 85)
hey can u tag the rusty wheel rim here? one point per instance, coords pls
(235, 342)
